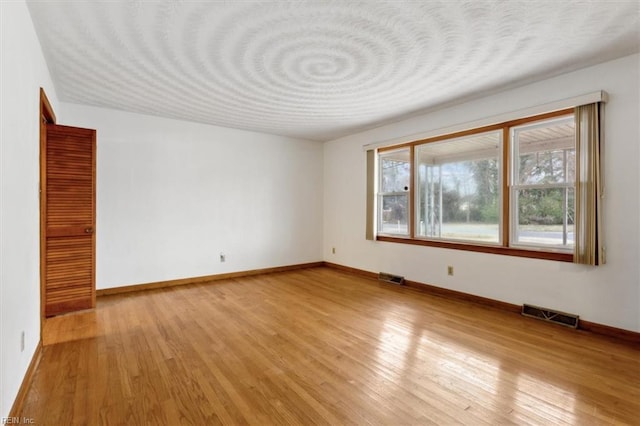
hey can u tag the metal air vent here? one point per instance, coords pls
(390, 278)
(562, 318)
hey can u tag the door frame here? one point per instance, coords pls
(47, 116)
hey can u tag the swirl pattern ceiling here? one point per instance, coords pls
(316, 69)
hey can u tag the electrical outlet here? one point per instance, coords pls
(333, 250)
(449, 270)
(223, 257)
(22, 342)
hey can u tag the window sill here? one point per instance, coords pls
(507, 251)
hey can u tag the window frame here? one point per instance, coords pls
(516, 186)
(500, 212)
(504, 247)
(408, 193)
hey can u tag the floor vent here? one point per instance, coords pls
(562, 318)
(390, 278)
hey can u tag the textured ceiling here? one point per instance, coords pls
(316, 69)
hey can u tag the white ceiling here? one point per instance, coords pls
(317, 69)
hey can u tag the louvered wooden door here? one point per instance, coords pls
(69, 219)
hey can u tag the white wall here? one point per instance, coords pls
(606, 294)
(23, 73)
(173, 195)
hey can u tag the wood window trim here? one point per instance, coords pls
(508, 251)
(504, 248)
(484, 129)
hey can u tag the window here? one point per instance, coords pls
(543, 188)
(393, 195)
(458, 188)
(507, 188)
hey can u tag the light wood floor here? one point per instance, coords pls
(319, 346)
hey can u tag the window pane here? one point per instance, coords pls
(394, 214)
(395, 171)
(545, 217)
(458, 193)
(546, 152)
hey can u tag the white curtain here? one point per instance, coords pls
(589, 248)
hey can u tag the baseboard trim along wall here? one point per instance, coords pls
(592, 327)
(26, 382)
(206, 278)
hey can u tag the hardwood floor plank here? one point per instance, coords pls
(321, 346)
